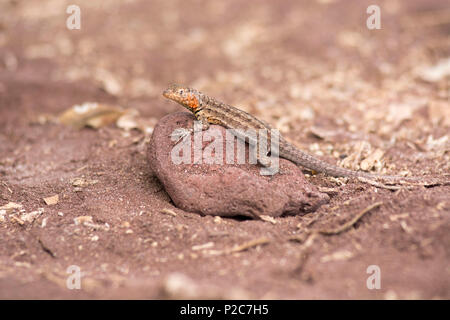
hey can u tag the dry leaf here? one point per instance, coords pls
(31, 216)
(268, 219)
(81, 182)
(127, 122)
(169, 212)
(250, 244)
(82, 220)
(131, 120)
(91, 114)
(373, 161)
(11, 206)
(110, 82)
(51, 200)
(355, 156)
(337, 256)
(203, 246)
(437, 72)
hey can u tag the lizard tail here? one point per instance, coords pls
(301, 158)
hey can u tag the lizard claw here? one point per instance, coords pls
(180, 133)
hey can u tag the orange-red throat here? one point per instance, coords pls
(183, 95)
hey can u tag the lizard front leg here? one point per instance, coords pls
(181, 133)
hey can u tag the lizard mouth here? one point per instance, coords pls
(171, 96)
(167, 94)
(172, 92)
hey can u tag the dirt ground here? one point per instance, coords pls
(366, 99)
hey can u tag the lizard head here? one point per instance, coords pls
(187, 97)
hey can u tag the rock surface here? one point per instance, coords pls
(227, 189)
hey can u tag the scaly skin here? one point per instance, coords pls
(210, 111)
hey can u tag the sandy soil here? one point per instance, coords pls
(372, 99)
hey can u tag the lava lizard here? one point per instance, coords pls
(210, 111)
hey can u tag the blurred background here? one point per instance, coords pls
(273, 58)
(311, 68)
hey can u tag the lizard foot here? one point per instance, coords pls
(180, 133)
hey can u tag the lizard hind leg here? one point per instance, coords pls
(262, 156)
(265, 161)
(271, 167)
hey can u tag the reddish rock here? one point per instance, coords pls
(227, 189)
